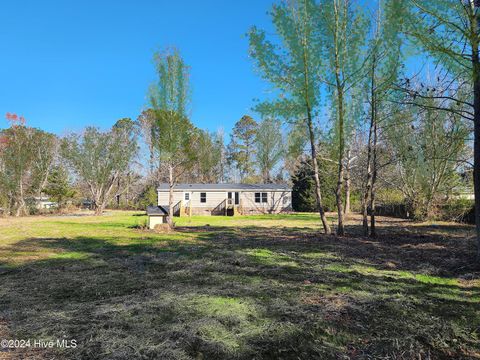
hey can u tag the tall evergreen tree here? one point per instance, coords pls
(303, 188)
(241, 148)
(269, 147)
(293, 67)
(383, 66)
(209, 152)
(343, 29)
(59, 188)
(172, 135)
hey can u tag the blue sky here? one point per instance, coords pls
(68, 64)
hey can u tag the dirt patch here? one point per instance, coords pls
(163, 228)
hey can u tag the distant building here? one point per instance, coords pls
(87, 204)
(463, 193)
(44, 203)
(227, 199)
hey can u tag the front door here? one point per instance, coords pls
(233, 198)
(187, 196)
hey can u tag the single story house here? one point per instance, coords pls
(227, 199)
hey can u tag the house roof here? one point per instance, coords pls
(226, 187)
(157, 210)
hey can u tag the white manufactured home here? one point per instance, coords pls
(227, 199)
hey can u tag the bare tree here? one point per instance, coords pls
(449, 30)
(26, 158)
(100, 158)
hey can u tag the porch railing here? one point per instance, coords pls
(220, 208)
(177, 208)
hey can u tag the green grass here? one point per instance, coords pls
(264, 287)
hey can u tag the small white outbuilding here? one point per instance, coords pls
(156, 215)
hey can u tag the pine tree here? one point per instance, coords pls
(241, 148)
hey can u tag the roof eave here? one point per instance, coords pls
(225, 189)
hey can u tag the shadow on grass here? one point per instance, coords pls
(247, 292)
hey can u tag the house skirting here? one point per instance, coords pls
(235, 211)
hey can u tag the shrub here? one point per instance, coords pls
(303, 189)
(147, 197)
(390, 196)
(459, 210)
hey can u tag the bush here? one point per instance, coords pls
(459, 210)
(356, 201)
(398, 210)
(147, 198)
(390, 196)
(391, 202)
(303, 189)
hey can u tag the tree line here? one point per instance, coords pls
(122, 167)
(112, 168)
(344, 80)
(349, 118)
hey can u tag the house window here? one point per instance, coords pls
(203, 197)
(187, 196)
(261, 197)
(286, 200)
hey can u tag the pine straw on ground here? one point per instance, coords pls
(240, 288)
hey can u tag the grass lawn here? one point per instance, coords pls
(263, 287)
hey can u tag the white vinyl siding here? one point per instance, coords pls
(275, 200)
(163, 197)
(213, 198)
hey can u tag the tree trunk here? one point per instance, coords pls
(43, 183)
(341, 150)
(368, 185)
(152, 158)
(99, 209)
(347, 180)
(313, 145)
(98, 204)
(369, 195)
(118, 193)
(476, 120)
(346, 210)
(476, 167)
(266, 176)
(170, 196)
(339, 28)
(21, 207)
(374, 177)
(316, 177)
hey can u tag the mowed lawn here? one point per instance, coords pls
(257, 287)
